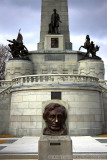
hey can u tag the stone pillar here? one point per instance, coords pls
(47, 10)
(16, 68)
(92, 67)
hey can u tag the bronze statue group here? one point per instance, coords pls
(17, 48)
(91, 48)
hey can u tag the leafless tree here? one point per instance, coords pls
(4, 56)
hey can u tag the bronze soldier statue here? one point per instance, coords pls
(14, 50)
(17, 48)
(92, 49)
(54, 25)
(19, 37)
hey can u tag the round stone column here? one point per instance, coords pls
(16, 68)
(92, 67)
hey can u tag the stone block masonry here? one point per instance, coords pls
(60, 42)
(16, 68)
(55, 147)
(92, 67)
(105, 110)
(4, 112)
(84, 111)
(26, 112)
(85, 117)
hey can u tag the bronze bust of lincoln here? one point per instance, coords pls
(55, 116)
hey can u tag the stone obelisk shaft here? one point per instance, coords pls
(46, 11)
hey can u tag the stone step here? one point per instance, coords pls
(90, 156)
(18, 156)
(35, 157)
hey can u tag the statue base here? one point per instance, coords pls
(95, 58)
(20, 58)
(55, 147)
(54, 42)
(18, 67)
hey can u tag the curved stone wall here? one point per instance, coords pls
(105, 110)
(15, 68)
(26, 112)
(91, 67)
(83, 101)
(85, 112)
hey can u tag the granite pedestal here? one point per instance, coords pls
(55, 148)
(54, 42)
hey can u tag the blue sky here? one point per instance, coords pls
(85, 17)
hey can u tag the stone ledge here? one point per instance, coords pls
(55, 87)
(77, 156)
(57, 52)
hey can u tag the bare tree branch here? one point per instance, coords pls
(4, 56)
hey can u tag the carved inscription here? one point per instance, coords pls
(55, 58)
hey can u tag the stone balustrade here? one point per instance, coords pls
(53, 79)
(103, 83)
(5, 83)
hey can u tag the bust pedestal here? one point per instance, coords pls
(54, 42)
(55, 147)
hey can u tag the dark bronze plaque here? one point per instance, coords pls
(55, 95)
(54, 144)
(54, 43)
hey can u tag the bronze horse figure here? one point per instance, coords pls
(91, 48)
(86, 44)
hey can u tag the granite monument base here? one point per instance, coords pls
(55, 148)
(54, 42)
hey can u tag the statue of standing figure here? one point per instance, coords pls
(54, 25)
(91, 48)
(17, 48)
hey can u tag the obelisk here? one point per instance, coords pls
(46, 11)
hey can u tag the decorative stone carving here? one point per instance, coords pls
(25, 80)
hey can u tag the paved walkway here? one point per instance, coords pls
(27, 147)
